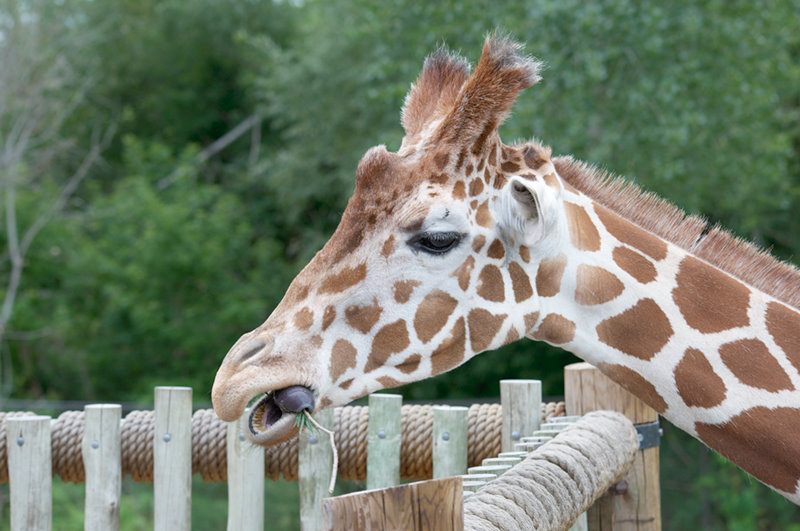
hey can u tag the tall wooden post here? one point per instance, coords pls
(635, 502)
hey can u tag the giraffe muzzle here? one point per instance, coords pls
(272, 419)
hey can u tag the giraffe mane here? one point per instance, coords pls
(712, 243)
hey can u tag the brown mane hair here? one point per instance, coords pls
(713, 244)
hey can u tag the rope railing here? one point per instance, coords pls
(209, 443)
(560, 480)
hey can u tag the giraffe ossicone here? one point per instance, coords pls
(458, 243)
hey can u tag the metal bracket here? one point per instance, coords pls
(649, 434)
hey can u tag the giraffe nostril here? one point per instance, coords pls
(252, 348)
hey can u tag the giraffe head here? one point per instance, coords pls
(428, 264)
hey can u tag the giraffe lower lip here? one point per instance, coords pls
(269, 422)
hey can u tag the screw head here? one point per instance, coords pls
(515, 436)
(20, 440)
(95, 445)
(241, 436)
(313, 439)
(381, 434)
(167, 437)
(446, 436)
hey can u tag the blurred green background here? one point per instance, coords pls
(167, 167)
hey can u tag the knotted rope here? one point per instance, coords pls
(560, 480)
(209, 454)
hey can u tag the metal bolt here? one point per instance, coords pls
(446, 436)
(20, 440)
(515, 436)
(381, 434)
(167, 437)
(313, 439)
(95, 445)
(241, 436)
(620, 488)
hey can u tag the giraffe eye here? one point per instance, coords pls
(435, 242)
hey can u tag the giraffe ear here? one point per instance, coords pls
(436, 89)
(523, 210)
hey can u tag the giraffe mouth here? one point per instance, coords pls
(273, 418)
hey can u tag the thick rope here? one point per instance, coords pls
(209, 436)
(560, 480)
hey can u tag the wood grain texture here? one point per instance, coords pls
(30, 475)
(639, 506)
(434, 505)
(103, 465)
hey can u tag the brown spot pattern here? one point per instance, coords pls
(403, 289)
(363, 318)
(483, 326)
(390, 339)
(347, 277)
(464, 272)
(627, 232)
(636, 384)
(343, 357)
(784, 327)
(387, 382)
(496, 250)
(491, 287)
(475, 187)
(595, 285)
(525, 254)
(759, 440)
(548, 276)
(441, 159)
(511, 336)
(345, 385)
(582, 232)
(533, 158)
(410, 364)
(509, 167)
(459, 191)
(710, 300)
(327, 317)
(483, 217)
(530, 321)
(551, 180)
(750, 361)
(450, 353)
(640, 331)
(477, 243)
(433, 313)
(304, 318)
(555, 329)
(697, 382)
(388, 247)
(634, 264)
(520, 282)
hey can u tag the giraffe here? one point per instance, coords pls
(457, 244)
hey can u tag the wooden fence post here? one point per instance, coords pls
(383, 441)
(449, 441)
(522, 407)
(102, 464)
(172, 459)
(245, 479)
(315, 457)
(30, 476)
(636, 501)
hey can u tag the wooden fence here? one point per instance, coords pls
(28, 444)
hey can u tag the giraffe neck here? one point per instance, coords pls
(713, 355)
